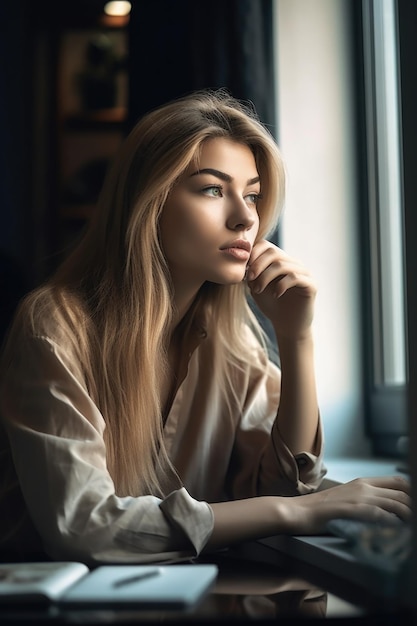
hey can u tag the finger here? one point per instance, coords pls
(399, 483)
(375, 514)
(263, 253)
(270, 266)
(389, 497)
(261, 246)
(268, 263)
(304, 285)
(261, 258)
(281, 279)
(398, 507)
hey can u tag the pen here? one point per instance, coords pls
(135, 578)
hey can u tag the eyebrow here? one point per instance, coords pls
(223, 176)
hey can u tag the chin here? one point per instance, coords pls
(236, 279)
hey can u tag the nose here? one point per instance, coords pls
(241, 216)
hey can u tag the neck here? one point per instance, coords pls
(183, 300)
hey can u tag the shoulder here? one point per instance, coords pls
(47, 313)
(45, 322)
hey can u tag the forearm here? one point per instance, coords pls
(298, 410)
(248, 519)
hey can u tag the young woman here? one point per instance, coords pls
(142, 418)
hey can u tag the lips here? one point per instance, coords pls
(242, 244)
(239, 249)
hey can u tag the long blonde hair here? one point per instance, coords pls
(114, 291)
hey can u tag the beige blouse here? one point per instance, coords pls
(58, 498)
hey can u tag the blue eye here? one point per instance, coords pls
(214, 190)
(253, 198)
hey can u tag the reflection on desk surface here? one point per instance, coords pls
(255, 591)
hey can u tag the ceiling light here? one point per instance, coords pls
(118, 8)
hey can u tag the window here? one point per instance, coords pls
(385, 319)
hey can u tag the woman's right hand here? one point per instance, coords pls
(382, 499)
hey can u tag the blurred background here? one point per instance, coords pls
(334, 80)
(74, 80)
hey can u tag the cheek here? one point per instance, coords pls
(193, 224)
(182, 233)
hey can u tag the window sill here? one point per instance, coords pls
(341, 470)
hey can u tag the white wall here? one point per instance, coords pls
(315, 133)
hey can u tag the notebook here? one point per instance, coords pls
(72, 584)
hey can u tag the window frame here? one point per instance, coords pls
(385, 404)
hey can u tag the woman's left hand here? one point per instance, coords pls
(283, 290)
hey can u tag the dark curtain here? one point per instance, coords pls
(177, 46)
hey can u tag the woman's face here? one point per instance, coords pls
(210, 220)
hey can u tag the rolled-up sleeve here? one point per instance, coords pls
(55, 433)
